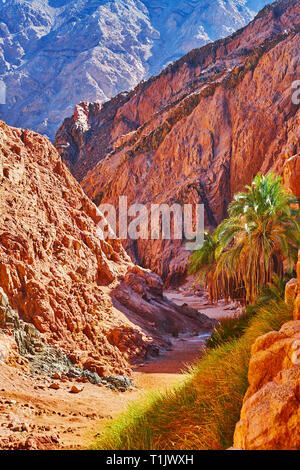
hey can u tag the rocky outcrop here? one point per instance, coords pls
(297, 293)
(9, 353)
(31, 443)
(54, 53)
(198, 132)
(74, 289)
(270, 415)
(291, 173)
(291, 290)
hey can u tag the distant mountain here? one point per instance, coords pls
(56, 53)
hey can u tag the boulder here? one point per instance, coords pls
(270, 416)
(297, 299)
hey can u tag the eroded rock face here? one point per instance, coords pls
(9, 353)
(270, 415)
(59, 276)
(198, 132)
(291, 173)
(297, 293)
(291, 290)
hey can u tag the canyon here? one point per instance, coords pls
(56, 53)
(81, 293)
(196, 133)
(76, 315)
(86, 323)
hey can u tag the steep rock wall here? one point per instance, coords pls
(270, 415)
(198, 132)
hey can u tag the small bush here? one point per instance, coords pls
(235, 326)
(229, 328)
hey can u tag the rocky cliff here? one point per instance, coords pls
(270, 415)
(56, 53)
(197, 132)
(297, 293)
(83, 295)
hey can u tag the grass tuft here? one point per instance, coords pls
(229, 328)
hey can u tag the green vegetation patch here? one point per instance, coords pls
(201, 412)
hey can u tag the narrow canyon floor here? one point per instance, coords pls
(32, 415)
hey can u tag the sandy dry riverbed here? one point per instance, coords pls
(202, 304)
(59, 419)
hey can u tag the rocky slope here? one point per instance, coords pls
(76, 293)
(56, 53)
(196, 133)
(270, 415)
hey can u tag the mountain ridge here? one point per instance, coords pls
(54, 54)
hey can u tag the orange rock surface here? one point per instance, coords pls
(297, 293)
(198, 132)
(9, 353)
(270, 415)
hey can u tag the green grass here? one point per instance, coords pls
(234, 327)
(201, 412)
(230, 328)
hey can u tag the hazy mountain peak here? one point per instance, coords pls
(56, 53)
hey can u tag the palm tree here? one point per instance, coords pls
(218, 282)
(260, 238)
(203, 263)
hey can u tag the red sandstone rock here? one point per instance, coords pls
(9, 353)
(198, 132)
(31, 443)
(291, 173)
(54, 386)
(75, 389)
(270, 415)
(297, 300)
(56, 376)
